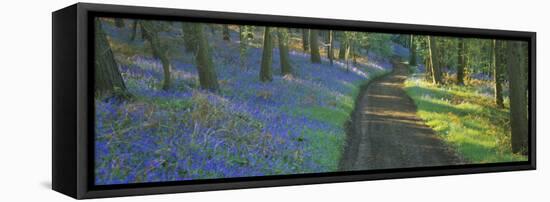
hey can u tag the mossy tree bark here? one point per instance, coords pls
(353, 51)
(497, 72)
(412, 50)
(428, 64)
(188, 37)
(434, 60)
(226, 36)
(119, 23)
(243, 42)
(330, 52)
(134, 30)
(314, 46)
(461, 58)
(152, 35)
(107, 75)
(282, 36)
(343, 47)
(207, 74)
(267, 54)
(305, 39)
(518, 98)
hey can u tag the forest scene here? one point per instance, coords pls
(186, 101)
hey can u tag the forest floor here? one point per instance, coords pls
(385, 131)
(293, 124)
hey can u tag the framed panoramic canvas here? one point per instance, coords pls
(154, 100)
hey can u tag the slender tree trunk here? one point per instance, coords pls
(226, 35)
(500, 62)
(314, 46)
(119, 23)
(461, 54)
(107, 76)
(143, 32)
(134, 30)
(207, 74)
(518, 99)
(152, 36)
(428, 65)
(188, 37)
(430, 60)
(330, 51)
(243, 40)
(267, 54)
(497, 75)
(343, 47)
(434, 60)
(282, 36)
(412, 45)
(305, 39)
(353, 52)
(347, 53)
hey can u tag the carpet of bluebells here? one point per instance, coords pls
(248, 128)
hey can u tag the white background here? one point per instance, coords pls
(25, 102)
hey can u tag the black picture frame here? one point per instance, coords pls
(73, 109)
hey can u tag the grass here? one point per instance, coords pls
(464, 118)
(327, 145)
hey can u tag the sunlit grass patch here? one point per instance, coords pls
(464, 118)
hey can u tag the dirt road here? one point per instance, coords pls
(385, 131)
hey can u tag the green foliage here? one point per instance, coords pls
(378, 43)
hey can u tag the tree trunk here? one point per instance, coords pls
(353, 52)
(428, 65)
(151, 35)
(160, 53)
(497, 74)
(500, 63)
(107, 76)
(314, 42)
(207, 74)
(343, 48)
(188, 37)
(330, 51)
(119, 23)
(518, 99)
(305, 39)
(243, 40)
(434, 60)
(461, 54)
(226, 36)
(134, 30)
(282, 36)
(267, 54)
(346, 54)
(412, 48)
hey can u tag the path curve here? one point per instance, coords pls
(385, 131)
